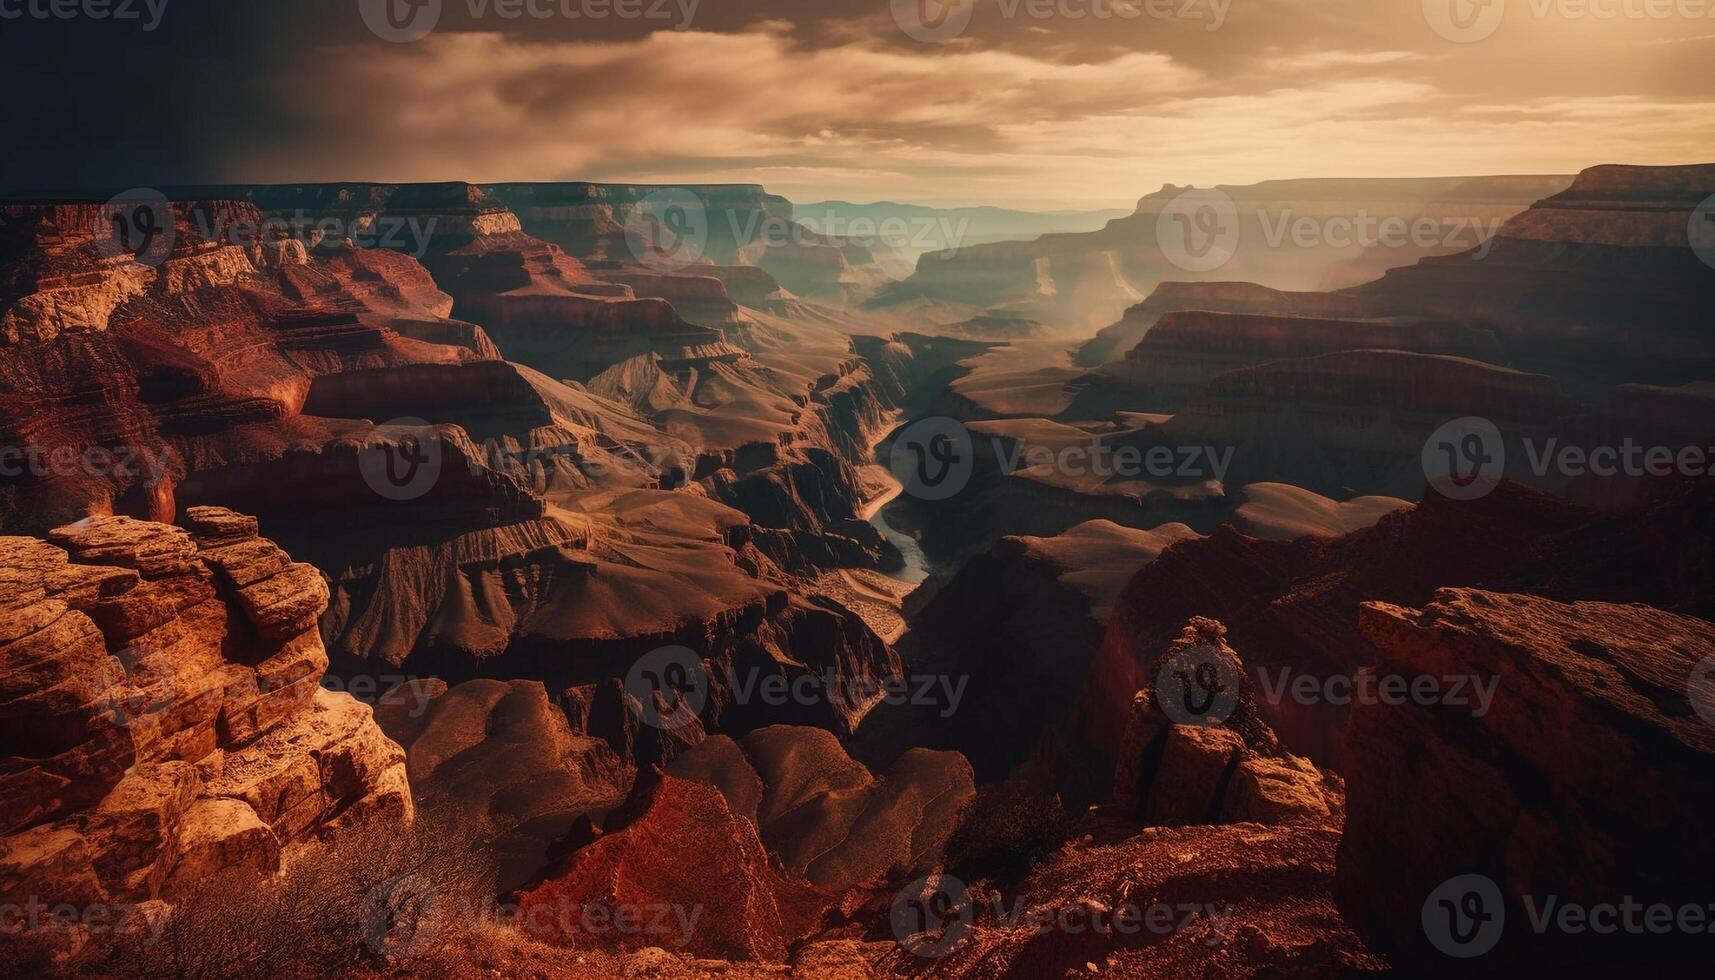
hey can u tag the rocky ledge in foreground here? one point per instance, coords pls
(1481, 844)
(161, 693)
(1240, 900)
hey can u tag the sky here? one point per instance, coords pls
(1039, 104)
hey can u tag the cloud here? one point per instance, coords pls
(842, 109)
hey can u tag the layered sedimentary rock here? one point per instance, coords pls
(736, 225)
(1597, 283)
(1183, 352)
(539, 305)
(259, 387)
(590, 594)
(589, 220)
(165, 715)
(830, 820)
(216, 380)
(1582, 786)
(1292, 606)
(1356, 421)
(1113, 341)
(1088, 280)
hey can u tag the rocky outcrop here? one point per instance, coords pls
(165, 714)
(687, 873)
(1174, 768)
(589, 220)
(827, 817)
(1583, 786)
(1292, 606)
(1239, 900)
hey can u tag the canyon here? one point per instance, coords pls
(518, 521)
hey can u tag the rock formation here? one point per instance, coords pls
(1582, 786)
(1171, 771)
(165, 715)
(687, 873)
(740, 225)
(1595, 284)
(1087, 280)
(1292, 606)
(253, 374)
(1113, 341)
(1184, 351)
(1017, 625)
(1237, 900)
